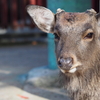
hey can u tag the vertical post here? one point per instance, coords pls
(69, 6)
(14, 14)
(52, 63)
(4, 15)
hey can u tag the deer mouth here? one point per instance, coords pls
(73, 69)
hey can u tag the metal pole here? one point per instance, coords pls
(52, 63)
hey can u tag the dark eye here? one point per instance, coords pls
(88, 36)
(56, 37)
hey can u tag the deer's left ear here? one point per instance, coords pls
(42, 17)
(98, 18)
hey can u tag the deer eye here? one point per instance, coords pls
(89, 36)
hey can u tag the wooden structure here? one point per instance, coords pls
(13, 12)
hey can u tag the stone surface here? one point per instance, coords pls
(43, 77)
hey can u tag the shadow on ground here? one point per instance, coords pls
(50, 93)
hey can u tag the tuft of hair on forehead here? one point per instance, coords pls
(91, 12)
(59, 10)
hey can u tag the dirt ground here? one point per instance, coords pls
(16, 62)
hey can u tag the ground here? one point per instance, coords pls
(16, 61)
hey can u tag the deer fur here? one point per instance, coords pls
(78, 36)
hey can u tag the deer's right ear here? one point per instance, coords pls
(98, 18)
(42, 17)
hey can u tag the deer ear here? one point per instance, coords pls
(98, 18)
(42, 17)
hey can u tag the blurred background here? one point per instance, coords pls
(17, 26)
(24, 47)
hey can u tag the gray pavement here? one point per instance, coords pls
(16, 61)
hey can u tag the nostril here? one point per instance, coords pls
(69, 60)
(60, 62)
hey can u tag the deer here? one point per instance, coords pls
(77, 48)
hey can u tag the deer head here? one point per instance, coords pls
(77, 36)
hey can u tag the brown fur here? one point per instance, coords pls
(84, 84)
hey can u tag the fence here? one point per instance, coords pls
(13, 13)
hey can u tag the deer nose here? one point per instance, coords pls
(65, 63)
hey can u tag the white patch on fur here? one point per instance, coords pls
(72, 70)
